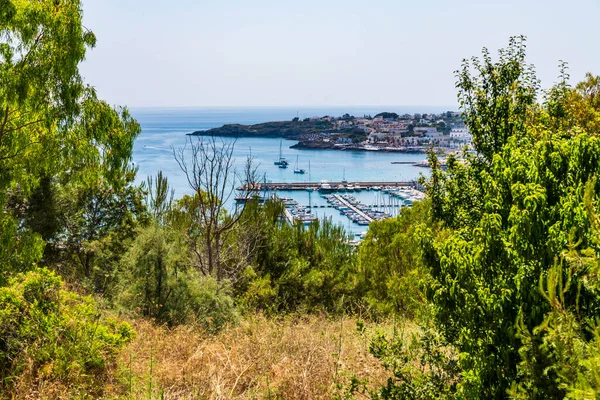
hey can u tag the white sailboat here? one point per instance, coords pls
(298, 170)
(308, 188)
(282, 163)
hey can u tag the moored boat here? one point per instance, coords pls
(325, 187)
(282, 163)
(298, 170)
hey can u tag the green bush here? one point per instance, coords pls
(49, 333)
(158, 281)
(391, 272)
(298, 267)
(211, 303)
(422, 367)
(421, 363)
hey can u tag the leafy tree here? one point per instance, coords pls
(98, 224)
(583, 104)
(157, 280)
(296, 267)
(563, 352)
(391, 270)
(513, 208)
(495, 102)
(56, 137)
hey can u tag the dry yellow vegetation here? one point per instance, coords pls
(307, 357)
(289, 358)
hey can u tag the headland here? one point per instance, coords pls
(386, 131)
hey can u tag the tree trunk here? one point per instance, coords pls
(218, 256)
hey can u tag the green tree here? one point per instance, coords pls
(563, 352)
(391, 271)
(513, 208)
(295, 267)
(583, 106)
(58, 141)
(496, 100)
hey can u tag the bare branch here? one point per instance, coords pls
(209, 167)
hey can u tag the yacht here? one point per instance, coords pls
(298, 170)
(325, 187)
(282, 163)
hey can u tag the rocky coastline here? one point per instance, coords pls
(295, 130)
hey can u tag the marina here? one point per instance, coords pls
(353, 211)
(357, 204)
(368, 176)
(331, 186)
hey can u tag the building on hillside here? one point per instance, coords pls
(461, 134)
(426, 131)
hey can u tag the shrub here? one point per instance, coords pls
(423, 367)
(50, 334)
(392, 273)
(158, 282)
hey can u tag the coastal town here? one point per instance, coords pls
(386, 131)
(391, 132)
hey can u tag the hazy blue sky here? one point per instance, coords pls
(320, 52)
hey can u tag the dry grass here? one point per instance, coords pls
(38, 383)
(260, 358)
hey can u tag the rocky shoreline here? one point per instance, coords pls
(296, 130)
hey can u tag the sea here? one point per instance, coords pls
(165, 130)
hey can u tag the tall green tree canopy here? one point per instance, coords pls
(53, 128)
(513, 208)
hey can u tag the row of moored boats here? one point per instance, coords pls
(351, 212)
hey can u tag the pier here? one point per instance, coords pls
(288, 216)
(274, 186)
(350, 206)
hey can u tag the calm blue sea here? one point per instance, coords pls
(165, 129)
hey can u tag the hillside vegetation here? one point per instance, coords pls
(486, 289)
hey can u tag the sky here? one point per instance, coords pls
(265, 53)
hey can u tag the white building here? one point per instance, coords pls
(429, 131)
(461, 134)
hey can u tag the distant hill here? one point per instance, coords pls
(387, 115)
(281, 129)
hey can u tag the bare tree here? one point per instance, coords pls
(209, 167)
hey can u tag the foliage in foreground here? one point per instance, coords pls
(156, 279)
(514, 208)
(49, 334)
(392, 276)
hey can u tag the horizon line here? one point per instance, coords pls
(449, 107)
